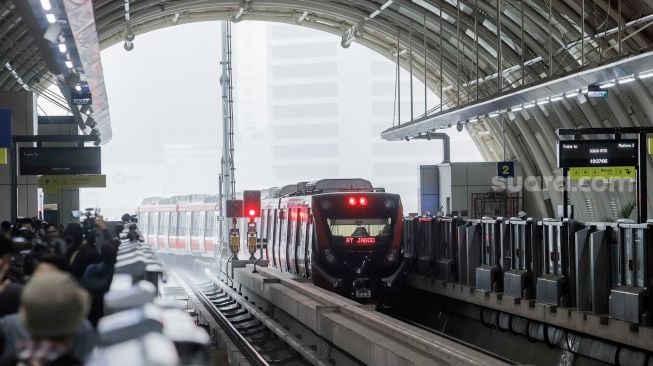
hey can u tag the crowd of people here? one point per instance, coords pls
(52, 284)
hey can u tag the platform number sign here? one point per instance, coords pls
(506, 169)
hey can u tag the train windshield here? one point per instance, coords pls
(357, 228)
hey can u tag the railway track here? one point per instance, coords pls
(258, 337)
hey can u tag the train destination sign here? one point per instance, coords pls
(597, 153)
(362, 240)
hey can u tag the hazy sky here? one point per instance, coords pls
(166, 118)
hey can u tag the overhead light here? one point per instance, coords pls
(69, 64)
(377, 12)
(529, 105)
(493, 114)
(51, 18)
(516, 108)
(646, 75)
(472, 120)
(128, 45)
(388, 3)
(63, 48)
(626, 80)
(609, 84)
(46, 5)
(571, 94)
(483, 133)
(542, 102)
(556, 98)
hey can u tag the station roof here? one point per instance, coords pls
(452, 44)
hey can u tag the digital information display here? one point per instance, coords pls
(363, 240)
(596, 153)
(59, 160)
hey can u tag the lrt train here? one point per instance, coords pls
(342, 233)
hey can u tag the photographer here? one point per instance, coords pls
(81, 249)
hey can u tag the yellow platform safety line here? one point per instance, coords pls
(55, 183)
(650, 145)
(3, 156)
(608, 172)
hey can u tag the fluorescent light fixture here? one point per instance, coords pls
(483, 133)
(542, 102)
(516, 108)
(607, 85)
(626, 80)
(69, 64)
(493, 114)
(62, 48)
(46, 5)
(375, 14)
(645, 75)
(556, 98)
(472, 120)
(388, 3)
(51, 18)
(571, 94)
(584, 90)
(529, 105)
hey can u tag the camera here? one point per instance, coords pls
(129, 219)
(87, 218)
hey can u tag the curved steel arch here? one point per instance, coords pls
(461, 39)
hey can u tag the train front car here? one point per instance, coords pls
(357, 248)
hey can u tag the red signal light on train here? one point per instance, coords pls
(362, 201)
(252, 213)
(352, 201)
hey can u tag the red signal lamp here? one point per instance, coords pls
(362, 201)
(352, 201)
(252, 213)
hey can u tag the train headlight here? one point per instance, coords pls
(329, 256)
(391, 256)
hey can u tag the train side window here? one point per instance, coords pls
(182, 224)
(174, 221)
(275, 241)
(207, 224)
(261, 225)
(193, 223)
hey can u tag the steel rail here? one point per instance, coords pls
(239, 340)
(273, 326)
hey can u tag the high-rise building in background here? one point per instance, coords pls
(305, 109)
(313, 109)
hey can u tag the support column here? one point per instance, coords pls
(66, 201)
(23, 109)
